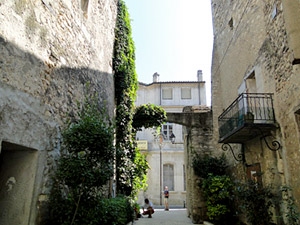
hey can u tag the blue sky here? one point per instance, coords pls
(173, 38)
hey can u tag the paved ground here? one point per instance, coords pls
(161, 217)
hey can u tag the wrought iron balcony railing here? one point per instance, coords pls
(247, 111)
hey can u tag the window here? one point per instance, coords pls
(167, 131)
(251, 83)
(186, 93)
(168, 176)
(167, 93)
(254, 173)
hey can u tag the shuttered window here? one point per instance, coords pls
(167, 93)
(186, 93)
(168, 176)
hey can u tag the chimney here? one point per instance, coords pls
(155, 77)
(199, 75)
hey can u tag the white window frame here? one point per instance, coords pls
(166, 130)
(165, 95)
(183, 90)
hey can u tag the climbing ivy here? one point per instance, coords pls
(148, 116)
(131, 166)
(292, 213)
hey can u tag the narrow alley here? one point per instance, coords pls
(161, 217)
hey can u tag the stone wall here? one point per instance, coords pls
(198, 139)
(256, 40)
(49, 50)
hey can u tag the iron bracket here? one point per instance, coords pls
(240, 157)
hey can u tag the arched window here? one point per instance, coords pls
(168, 176)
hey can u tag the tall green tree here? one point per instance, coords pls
(84, 169)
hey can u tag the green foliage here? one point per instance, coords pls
(131, 167)
(205, 165)
(148, 116)
(256, 202)
(292, 213)
(84, 168)
(116, 211)
(124, 59)
(93, 211)
(218, 192)
(217, 188)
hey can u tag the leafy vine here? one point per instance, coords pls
(131, 166)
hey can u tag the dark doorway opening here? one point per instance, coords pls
(17, 176)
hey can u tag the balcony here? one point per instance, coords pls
(249, 116)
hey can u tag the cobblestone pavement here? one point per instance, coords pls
(161, 217)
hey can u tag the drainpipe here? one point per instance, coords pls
(160, 94)
(199, 93)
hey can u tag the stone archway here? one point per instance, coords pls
(198, 138)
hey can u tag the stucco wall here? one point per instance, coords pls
(49, 51)
(175, 158)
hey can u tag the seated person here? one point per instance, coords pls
(149, 208)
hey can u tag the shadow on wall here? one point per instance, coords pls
(52, 82)
(35, 96)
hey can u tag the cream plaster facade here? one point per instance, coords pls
(172, 97)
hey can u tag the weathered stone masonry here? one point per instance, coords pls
(198, 139)
(261, 38)
(49, 51)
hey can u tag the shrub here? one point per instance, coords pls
(96, 211)
(115, 211)
(218, 195)
(205, 165)
(256, 202)
(217, 188)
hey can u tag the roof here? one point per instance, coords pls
(172, 82)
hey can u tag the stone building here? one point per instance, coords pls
(255, 89)
(49, 51)
(165, 154)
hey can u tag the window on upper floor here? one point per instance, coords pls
(167, 131)
(168, 176)
(186, 93)
(167, 93)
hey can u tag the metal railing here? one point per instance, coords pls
(248, 108)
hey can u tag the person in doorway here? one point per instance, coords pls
(148, 208)
(166, 194)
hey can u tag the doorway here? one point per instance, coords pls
(17, 177)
